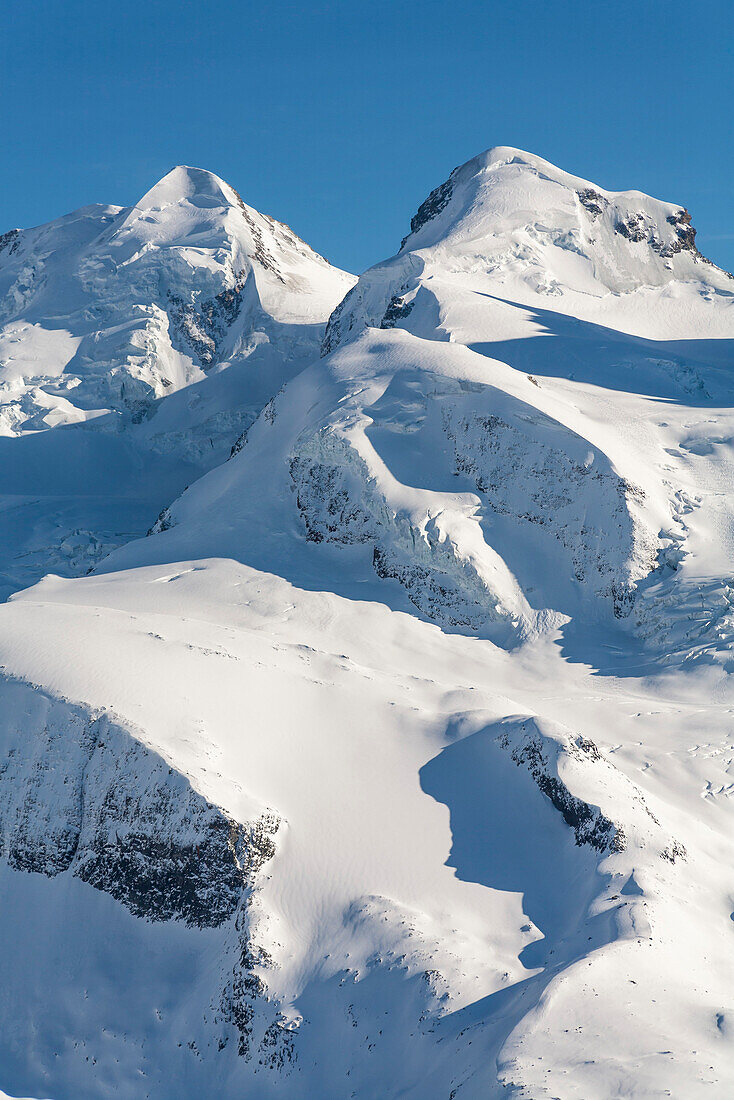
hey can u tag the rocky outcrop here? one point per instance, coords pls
(383, 297)
(164, 522)
(79, 795)
(10, 241)
(639, 227)
(590, 826)
(202, 326)
(342, 320)
(397, 310)
(578, 780)
(592, 202)
(437, 201)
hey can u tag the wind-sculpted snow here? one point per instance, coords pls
(397, 760)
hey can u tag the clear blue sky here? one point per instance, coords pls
(339, 117)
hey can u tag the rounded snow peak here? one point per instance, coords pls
(503, 154)
(471, 179)
(196, 186)
(506, 156)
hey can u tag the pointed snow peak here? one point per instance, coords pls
(192, 221)
(187, 196)
(196, 186)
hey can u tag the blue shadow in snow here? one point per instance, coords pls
(507, 835)
(687, 372)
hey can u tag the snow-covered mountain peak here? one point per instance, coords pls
(188, 205)
(109, 309)
(167, 325)
(199, 219)
(512, 226)
(397, 760)
(627, 238)
(194, 185)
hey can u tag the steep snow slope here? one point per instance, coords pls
(161, 330)
(397, 760)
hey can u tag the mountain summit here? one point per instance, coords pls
(117, 307)
(162, 329)
(504, 191)
(194, 185)
(534, 234)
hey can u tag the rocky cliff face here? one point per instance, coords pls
(81, 797)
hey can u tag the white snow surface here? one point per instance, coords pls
(398, 759)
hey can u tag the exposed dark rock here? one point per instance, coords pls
(623, 597)
(79, 795)
(239, 443)
(10, 241)
(437, 201)
(245, 991)
(164, 522)
(681, 222)
(40, 828)
(431, 590)
(204, 326)
(262, 255)
(338, 504)
(245, 987)
(277, 1047)
(335, 327)
(588, 748)
(590, 826)
(198, 882)
(638, 227)
(189, 324)
(538, 483)
(86, 798)
(268, 412)
(632, 227)
(397, 310)
(337, 518)
(592, 201)
(160, 880)
(675, 850)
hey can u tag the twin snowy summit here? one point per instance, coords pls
(365, 650)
